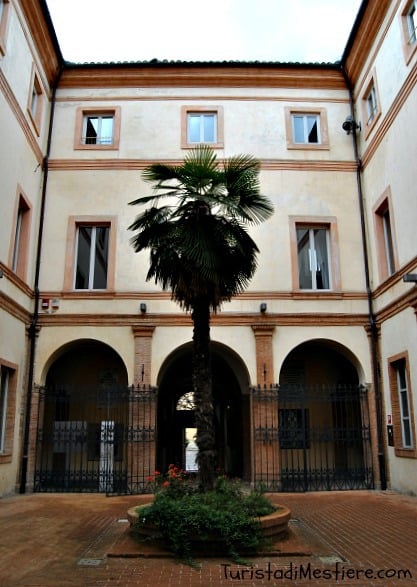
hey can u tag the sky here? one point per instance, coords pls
(193, 30)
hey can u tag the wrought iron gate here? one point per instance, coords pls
(312, 438)
(96, 440)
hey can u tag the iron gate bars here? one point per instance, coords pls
(311, 438)
(97, 440)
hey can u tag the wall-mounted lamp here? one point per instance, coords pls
(350, 125)
(143, 308)
(410, 277)
(263, 307)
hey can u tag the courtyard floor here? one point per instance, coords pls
(360, 538)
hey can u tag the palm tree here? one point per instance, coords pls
(200, 250)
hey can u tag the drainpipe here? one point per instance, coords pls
(372, 321)
(32, 330)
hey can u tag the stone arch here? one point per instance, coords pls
(231, 403)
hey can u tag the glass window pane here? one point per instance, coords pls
(322, 261)
(298, 128)
(83, 257)
(411, 19)
(101, 257)
(106, 134)
(193, 128)
(91, 130)
(209, 128)
(404, 404)
(407, 434)
(303, 249)
(312, 129)
(4, 379)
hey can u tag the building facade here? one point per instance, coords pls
(314, 365)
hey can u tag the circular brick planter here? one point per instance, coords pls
(273, 525)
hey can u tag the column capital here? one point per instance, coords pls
(143, 330)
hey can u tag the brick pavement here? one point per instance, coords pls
(77, 540)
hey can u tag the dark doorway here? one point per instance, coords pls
(176, 422)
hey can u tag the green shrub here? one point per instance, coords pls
(227, 514)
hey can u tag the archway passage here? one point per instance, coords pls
(84, 411)
(313, 429)
(176, 418)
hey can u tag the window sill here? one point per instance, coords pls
(5, 458)
(410, 453)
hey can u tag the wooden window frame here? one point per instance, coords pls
(186, 110)
(399, 449)
(80, 115)
(71, 253)
(324, 131)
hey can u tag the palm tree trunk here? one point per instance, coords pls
(203, 393)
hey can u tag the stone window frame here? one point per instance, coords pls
(399, 449)
(321, 113)
(4, 19)
(71, 254)
(409, 48)
(330, 223)
(7, 453)
(20, 237)
(80, 115)
(218, 110)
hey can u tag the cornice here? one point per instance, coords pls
(43, 36)
(326, 296)
(202, 75)
(228, 319)
(365, 36)
(108, 164)
(10, 306)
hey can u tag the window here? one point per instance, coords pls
(36, 101)
(90, 254)
(412, 23)
(97, 129)
(4, 385)
(202, 128)
(306, 129)
(20, 237)
(313, 258)
(202, 125)
(370, 104)
(4, 11)
(314, 253)
(7, 409)
(408, 17)
(407, 438)
(384, 237)
(402, 408)
(92, 257)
